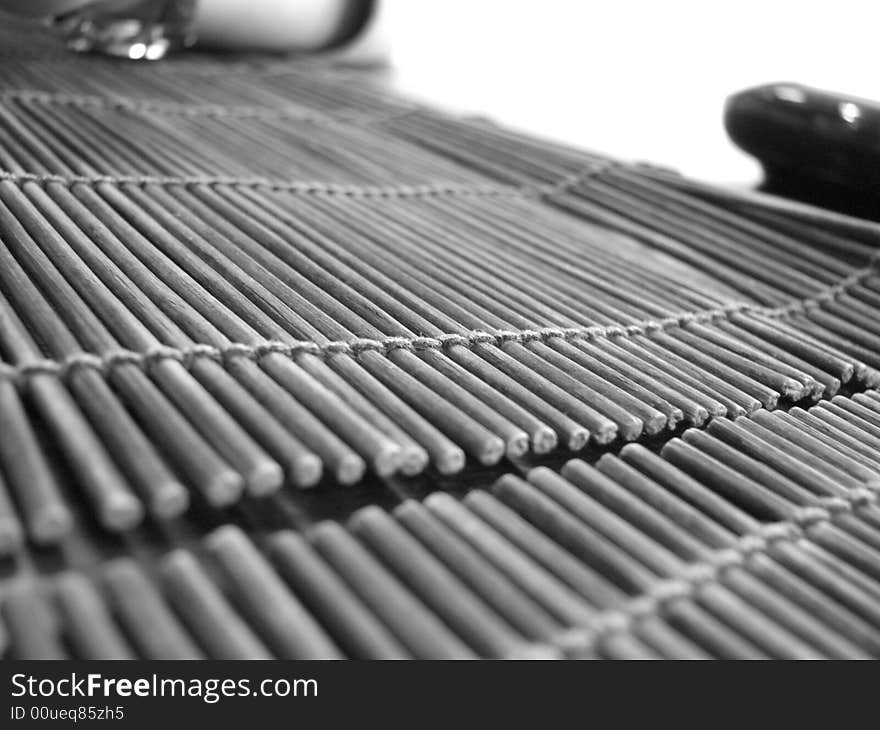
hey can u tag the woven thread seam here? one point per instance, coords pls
(185, 109)
(591, 171)
(653, 602)
(105, 362)
(294, 186)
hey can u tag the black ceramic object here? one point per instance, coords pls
(815, 145)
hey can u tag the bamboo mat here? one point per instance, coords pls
(293, 367)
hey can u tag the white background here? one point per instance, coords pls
(636, 79)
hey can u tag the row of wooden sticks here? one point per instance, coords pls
(192, 336)
(79, 282)
(753, 538)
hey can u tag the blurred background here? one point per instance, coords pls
(635, 79)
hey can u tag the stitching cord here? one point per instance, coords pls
(652, 602)
(107, 361)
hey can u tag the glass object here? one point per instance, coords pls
(136, 29)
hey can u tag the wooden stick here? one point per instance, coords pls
(153, 629)
(206, 611)
(359, 632)
(87, 623)
(290, 631)
(413, 624)
(439, 588)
